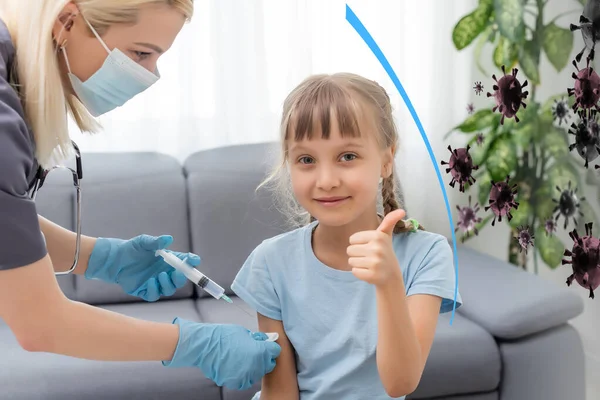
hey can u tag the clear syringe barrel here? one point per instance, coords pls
(211, 287)
(192, 274)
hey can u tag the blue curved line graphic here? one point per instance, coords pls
(364, 34)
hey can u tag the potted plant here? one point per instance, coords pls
(536, 151)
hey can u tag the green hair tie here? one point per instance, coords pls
(414, 223)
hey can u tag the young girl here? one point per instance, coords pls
(354, 295)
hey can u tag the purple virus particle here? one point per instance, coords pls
(509, 95)
(502, 200)
(470, 108)
(587, 141)
(467, 219)
(550, 226)
(586, 89)
(567, 205)
(560, 110)
(589, 24)
(478, 88)
(479, 139)
(525, 238)
(585, 260)
(461, 167)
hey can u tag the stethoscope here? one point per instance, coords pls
(77, 176)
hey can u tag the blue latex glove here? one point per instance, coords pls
(133, 265)
(229, 355)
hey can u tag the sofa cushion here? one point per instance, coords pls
(228, 217)
(464, 359)
(28, 376)
(488, 285)
(125, 195)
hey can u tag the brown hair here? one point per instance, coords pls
(310, 107)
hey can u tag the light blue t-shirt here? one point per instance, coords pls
(329, 315)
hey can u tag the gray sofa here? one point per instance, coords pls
(511, 340)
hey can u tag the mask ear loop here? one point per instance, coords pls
(96, 34)
(62, 49)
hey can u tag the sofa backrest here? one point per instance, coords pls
(228, 217)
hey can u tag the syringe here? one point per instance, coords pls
(204, 282)
(194, 275)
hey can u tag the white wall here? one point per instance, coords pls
(494, 241)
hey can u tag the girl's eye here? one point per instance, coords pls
(349, 157)
(305, 160)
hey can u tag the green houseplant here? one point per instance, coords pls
(534, 152)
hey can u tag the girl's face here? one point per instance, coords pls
(337, 179)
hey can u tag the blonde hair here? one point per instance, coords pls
(37, 76)
(309, 109)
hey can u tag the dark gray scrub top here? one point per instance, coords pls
(21, 241)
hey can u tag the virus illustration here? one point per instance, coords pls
(478, 88)
(567, 205)
(502, 200)
(586, 89)
(470, 108)
(587, 140)
(479, 139)
(509, 95)
(461, 167)
(560, 110)
(525, 238)
(585, 260)
(589, 26)
(550, 226)
(467, 219)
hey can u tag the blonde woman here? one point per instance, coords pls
(85, 58)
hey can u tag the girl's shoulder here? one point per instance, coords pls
(293, 239)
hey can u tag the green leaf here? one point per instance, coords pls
(487, 35)
(588, 216)
(479, 120)
(560, 173)
(520, 216)
(555, 142)
(550, 248)
(471, 25)
(506, 53)
(525, 130)
(479, 227)
(485, 185)
(480, 153)
(509, 17)
(544, 206)
(529, 60)
(558, 44)
(503, 158)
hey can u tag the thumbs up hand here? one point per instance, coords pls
(371, 254)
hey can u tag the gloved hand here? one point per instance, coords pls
(229, 355)
(133, 265)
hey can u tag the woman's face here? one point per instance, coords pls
(144, 42)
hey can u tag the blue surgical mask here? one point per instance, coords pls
(117, 81)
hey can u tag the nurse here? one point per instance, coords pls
(85, 58)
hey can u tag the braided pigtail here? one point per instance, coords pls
(390, 203)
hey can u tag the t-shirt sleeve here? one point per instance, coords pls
(436, 276)
(253, 284)
(21, 241)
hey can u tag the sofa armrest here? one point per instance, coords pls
(508, 302)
